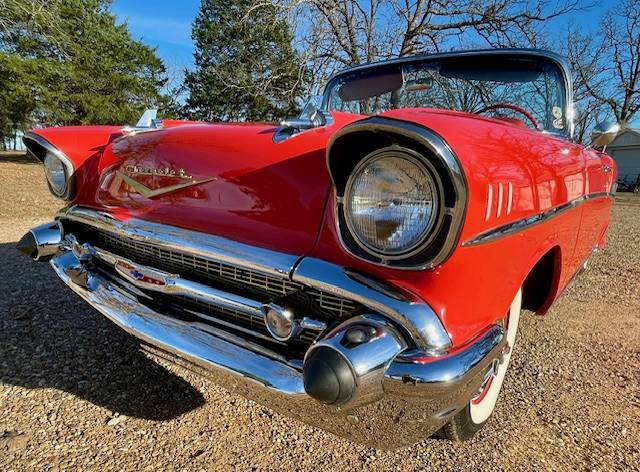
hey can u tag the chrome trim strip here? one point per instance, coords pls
(510, 198)
(227, 324)
(525, 223)
(312, 325)
(500, 195)
(175, 285)
(418, 319)
(186, 241)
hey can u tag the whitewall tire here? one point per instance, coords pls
(473, 417)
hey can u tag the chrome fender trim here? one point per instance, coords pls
(417, 318)
(414, 374)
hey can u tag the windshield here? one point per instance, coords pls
(462, 83)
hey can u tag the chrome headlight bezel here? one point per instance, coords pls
(350, 145)
(43, 150)
(433, 182)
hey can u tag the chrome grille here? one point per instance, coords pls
(247, 322)
(179, 262)
(187, 265)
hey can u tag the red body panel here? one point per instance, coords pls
(275, 195)
(268, 199)
(477, 284)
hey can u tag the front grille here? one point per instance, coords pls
(241, 319)
(187, 265)
(255, 285)
(178, 262)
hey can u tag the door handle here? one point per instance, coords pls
(606, 169)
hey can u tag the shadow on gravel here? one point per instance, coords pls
(18, 158)
(51, 339)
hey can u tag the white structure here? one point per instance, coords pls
(14, 143)
(625, 150)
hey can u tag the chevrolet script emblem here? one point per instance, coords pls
(162, 172)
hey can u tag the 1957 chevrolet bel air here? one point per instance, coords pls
(361, 267)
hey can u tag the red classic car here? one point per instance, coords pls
(361, 267)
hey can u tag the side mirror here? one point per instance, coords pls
(310, 117)
(604, 133)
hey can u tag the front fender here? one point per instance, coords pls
(79, 147)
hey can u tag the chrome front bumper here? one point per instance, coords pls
(398, 401)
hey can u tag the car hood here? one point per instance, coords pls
(230, 180)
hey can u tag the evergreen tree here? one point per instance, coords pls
(246, 67)
(67, 62)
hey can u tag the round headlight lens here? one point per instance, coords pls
(56, 173)
(391, 203)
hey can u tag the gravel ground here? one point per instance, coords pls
(76, 394)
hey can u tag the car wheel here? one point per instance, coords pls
(475, 415)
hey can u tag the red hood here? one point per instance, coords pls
(253, 190)
(248, 188)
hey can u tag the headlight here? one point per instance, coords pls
(56, 174)
(391, 202)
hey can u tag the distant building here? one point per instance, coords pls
(625, 150)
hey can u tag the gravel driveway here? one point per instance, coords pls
(76, 394)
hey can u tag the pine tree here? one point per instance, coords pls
(68, 62)
(246, 67)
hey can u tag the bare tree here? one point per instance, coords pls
(584, 55)
(339, 33)
(607, 65)
(622, 35)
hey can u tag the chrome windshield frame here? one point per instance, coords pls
(559, 61)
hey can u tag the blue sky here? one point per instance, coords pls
(166, 24)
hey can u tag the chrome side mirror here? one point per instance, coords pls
(310, 117)
(604, 133)
(314, 120)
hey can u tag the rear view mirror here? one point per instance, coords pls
(604, 133)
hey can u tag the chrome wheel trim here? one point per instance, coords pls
(481, 407)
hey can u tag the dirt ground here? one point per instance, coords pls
(76, 394)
